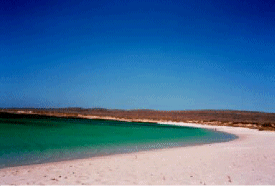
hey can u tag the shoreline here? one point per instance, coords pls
(217, 137)
(249, 159)
(260, 121)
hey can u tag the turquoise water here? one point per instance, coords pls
(30, 139)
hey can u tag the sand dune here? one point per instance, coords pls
(250, 159)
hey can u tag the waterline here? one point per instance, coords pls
(32, 139)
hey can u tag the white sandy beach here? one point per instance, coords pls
(250, 159)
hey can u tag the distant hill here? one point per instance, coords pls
(249, 119)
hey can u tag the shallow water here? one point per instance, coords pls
(30, 139)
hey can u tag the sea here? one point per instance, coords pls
(34, 139)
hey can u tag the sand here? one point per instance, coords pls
(250, 159)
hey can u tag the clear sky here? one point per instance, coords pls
(153, 54)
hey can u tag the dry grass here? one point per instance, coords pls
(258, 120)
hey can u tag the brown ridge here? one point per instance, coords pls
(248, 119)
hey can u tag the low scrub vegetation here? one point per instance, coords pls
(259, 120)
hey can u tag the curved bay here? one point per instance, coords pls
(29, 139)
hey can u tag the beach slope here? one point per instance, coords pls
(250, 159)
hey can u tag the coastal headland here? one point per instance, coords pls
(233, 118)
(250, 159)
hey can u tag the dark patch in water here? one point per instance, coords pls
(32, 139)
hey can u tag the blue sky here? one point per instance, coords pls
(166, 55)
